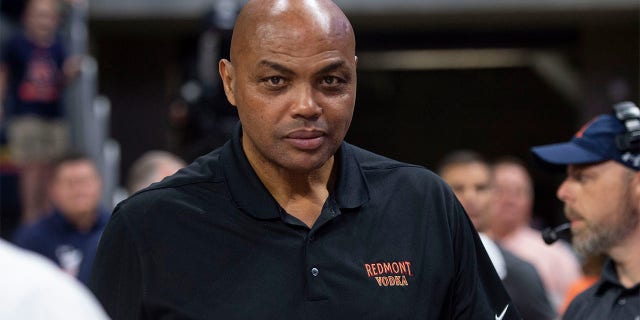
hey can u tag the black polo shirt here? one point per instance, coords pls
(607, 299)
(210, 242)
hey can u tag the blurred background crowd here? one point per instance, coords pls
(100, 98)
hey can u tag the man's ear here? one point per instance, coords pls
(634, 186)
(227, 73)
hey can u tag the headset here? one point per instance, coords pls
(629, 114)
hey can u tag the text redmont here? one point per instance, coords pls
(390, 274)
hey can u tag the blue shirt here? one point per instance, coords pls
(35, 82)
(57, 239)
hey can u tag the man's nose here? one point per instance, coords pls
(564, 191)
(305, 104)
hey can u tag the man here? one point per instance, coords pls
(601, 196)
(67, 234)
(557, 265)
(286, 221)
(470, 177)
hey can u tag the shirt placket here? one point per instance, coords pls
(315, 267)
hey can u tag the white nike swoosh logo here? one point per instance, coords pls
(503, 312)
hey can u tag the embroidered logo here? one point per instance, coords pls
(584, 128)
(390, 274)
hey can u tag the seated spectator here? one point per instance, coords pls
(469, 175)
(32, 288)
(69, 231)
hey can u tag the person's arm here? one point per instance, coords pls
(72, 67)
(116, 275)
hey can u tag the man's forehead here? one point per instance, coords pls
(315, 12)
(467, 173)
(593, 165)
(291, 25)
(75, 166)
(469, 166)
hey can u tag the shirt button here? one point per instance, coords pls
(622, 301)
(315, 272)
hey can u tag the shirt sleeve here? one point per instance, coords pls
(34, 288)
(116, 277)
(479, 293)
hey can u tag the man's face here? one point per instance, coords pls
(295, 93)
(599, 203)
(41, 18)
(472, 185)
(513, 197)
(76, 189)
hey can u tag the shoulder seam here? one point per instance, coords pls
(177, 185)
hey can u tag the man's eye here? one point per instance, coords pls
(275, 80)
(580, 177)
(330, 81)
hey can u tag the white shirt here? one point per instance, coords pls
(495, 255)
(31, 287)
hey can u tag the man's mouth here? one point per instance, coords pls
(306, 139)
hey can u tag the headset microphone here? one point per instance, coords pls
(551, 235)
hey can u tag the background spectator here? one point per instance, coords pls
(513, 208)
(152, 167)
(33, 68)
(67, 233)
(469, 175)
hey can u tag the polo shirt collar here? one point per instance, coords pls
(609, 278)
(252, 197)
(351, 189)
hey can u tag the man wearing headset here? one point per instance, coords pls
(601, 196)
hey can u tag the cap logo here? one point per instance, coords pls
(584, 128)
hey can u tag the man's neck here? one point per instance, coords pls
(84, 222)
(627, 262)
(300, 194)
(503, 233)
(40, 40)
